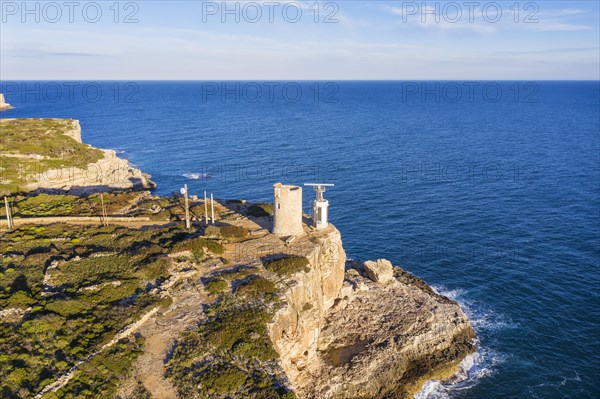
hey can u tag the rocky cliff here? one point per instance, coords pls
(297, 327)
(3, 104)
(227, 311)
(372, 331)
(49, 155)
(109, 172)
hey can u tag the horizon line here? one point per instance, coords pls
(302, 80)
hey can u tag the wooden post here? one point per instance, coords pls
(212, 208)
(187, 208)
(104, 217)
(205, 209)
(9, 220)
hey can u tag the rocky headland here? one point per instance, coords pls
(48, 155)
(364, 330)
(3, 104)
(222, 310)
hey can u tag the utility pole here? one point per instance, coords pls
(104, 217)
(9, 219)
(205, 209)
(184, 191)
(212, 208)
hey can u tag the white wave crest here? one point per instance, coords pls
(197, 176)
(475, 366)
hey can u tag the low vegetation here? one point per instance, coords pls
(118, 203)
(229, 354)
(288, 265)
(68, 291)
(238, 273)
(65, 292)
(227, 231)
(199, 246)
(96, 379)
(34, 146)
(76, 289)
(216, 286)
(257, 288)
(260, 209)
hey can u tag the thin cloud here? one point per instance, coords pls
(558, 27)
(549, 51)
(442, 24)
(549, 20)
(37, 53)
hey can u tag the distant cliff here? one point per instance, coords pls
(48, 155)
(3, 104)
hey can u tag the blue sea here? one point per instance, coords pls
(490, 191)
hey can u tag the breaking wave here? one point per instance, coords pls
(197, 176)
(475, 366)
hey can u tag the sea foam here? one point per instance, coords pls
(475, 366)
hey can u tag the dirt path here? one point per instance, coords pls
(160, 336)
(160, 329)
(65, 378)
(87, 220)
(161, 332)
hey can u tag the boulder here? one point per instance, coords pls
(380, 271)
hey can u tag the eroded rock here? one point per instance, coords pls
(380, 271)
(377, 337)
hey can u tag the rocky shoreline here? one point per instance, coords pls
(109, 172)
(3, 104)
(372, 330)
(339, 329)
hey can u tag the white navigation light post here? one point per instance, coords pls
(320, 209)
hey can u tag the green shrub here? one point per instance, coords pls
(215, 247)
(231, 231)
(289, 265)
(259, 210)
(156, 269)
(100, 377)
(110, 293)
(239, 273)
(165, 302)
(216, 286)
(62, 329)
(140, 392)
(256, 288)
(68, 307)
(223, 380)
(198, 245)
(212, 231)
(20, 300)
(227, 231)
(77, 273)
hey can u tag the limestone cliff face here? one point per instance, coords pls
(297, 327)
(343, 335)
(3, 104)
(110, 172)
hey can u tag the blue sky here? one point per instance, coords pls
(364, 40)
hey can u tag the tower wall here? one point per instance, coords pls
(287, 210)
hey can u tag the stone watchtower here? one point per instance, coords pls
(287, 210)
